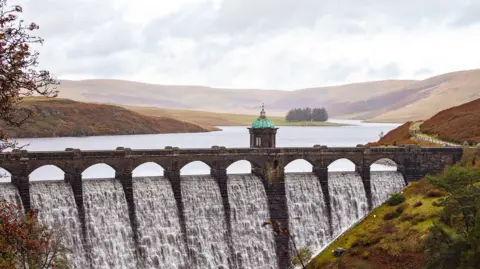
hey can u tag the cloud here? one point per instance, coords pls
(283, 44)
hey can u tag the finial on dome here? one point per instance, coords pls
(262, 113)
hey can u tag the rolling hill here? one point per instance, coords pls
(206, 118)
(387, 101)
(63, 117)
(456, 124)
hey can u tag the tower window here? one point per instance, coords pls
(258, 141)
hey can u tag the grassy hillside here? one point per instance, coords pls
(386, 101)
(218, 119)
(433, 224)
(390, 236)
(400, 136)
(456, 124)
(63, 117)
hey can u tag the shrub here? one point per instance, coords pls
(438, 203)
(392, 215)
(408, 217)
(388, 228)
(436, 193)
(417, 204)
(365, 255)
(396, 199)
(401, 208)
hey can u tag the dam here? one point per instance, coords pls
(219, 220)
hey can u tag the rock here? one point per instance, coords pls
(338, 252)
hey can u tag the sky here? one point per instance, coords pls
(269, 44)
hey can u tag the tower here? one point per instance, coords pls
(262, 132)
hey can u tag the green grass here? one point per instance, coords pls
(374, 234)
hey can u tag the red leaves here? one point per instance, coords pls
(19, 75)
(24, 240)
(33, 26)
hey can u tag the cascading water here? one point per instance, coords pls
(308, 221)
(205, 222)
(9, 193)
(110, 236)
(108, 227)
(254, 245)
(158, 224)
(347, 198)
(384, 183)
(58, 211)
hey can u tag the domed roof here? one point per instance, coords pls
(262, 122)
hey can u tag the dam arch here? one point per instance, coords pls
(47, 172)
(240, 167)
(99, 170)
(299, 166)
(195, 168)
(148, 169)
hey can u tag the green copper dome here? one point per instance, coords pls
(262, 121)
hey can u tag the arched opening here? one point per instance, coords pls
(384, 164)
(5, 176)
(195, 168)
(299, 165)
(99, 170)
(47, 172)
(342, 165)
(149, 169)
(240, 167)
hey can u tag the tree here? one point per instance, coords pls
(307, 114)
(26, 243)
(458, 246)
(19, 73)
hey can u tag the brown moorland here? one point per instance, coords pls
(63, 117)
(386, 101)
(400, 136)
(456, 124)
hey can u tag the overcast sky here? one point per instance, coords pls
(281, 44)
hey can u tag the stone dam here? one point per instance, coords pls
(209, 221)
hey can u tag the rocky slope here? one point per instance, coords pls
(63, 117)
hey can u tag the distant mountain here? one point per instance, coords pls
(389, 100)
(63, 117)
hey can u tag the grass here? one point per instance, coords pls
(387, 239)
(205, 118)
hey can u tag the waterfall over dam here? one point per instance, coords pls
(215, 238)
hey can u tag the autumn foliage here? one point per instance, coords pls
(398, 136)
(456, 124)
(63, 117)
(26, 243)
(19, 73)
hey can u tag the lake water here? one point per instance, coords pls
(344, 136)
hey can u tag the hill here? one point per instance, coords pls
(387, 101)
(432, 224)
(205, 118)
(453, 125)
(456, 124)
(63, 117)
(387, 242)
